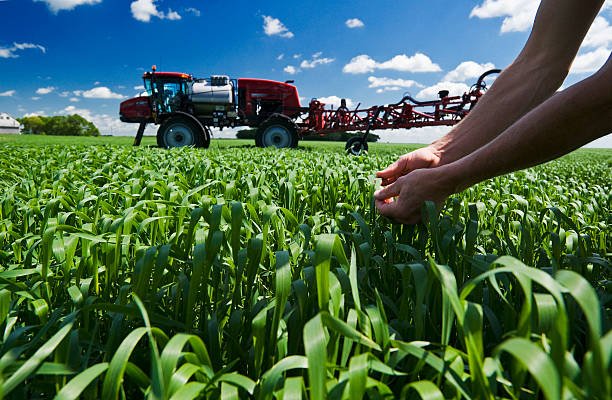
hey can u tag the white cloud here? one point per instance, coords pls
(274, 27)
(139, 88)
(600, 34)
(59, 5)
(297, 56)
(335, 101)
(316, 60)
(45, 90)
(361, 64)
(425, 134)
(100, 92)
(354, 23)
(467, 70)
(518, 15)
(144, 10)
(416, 63)
(74, 99)
(40, 113)
(291, 70)
(172, 15)
(79, 111)
(590, 62)
(193, 11)
(35, 98)
(391, 85)
(8, 93)
(106, 124)
(280, 57)
(389, 89)
(454, 89)
(419, 62)
(10, 52)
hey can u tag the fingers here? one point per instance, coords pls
(387, 192)
(393, 170)
(393, 209)
(388, 181)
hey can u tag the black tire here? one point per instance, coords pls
(179, 132)
(356, 146)
(277, 132)
(206, 136)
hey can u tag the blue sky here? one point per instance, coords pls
(85, 56)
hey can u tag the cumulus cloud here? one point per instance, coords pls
(391, 85)
(590, 62)
(45, 90)
(335, 101)
(71, 110)
(454, 89)
(362, 64)
(8, 93)
(172, 15)
(315, 61)
(419, 62)
(354, 23)
(144, 10)
(467, 70)
(100, 92)
(40, 113)
(599, 35)
(11, 52)
(274, 27)
(518, 15)
(194, 11)
(59, 5)
(106, 124)
(291, 70)
(425, 134)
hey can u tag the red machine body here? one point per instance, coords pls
(260, 96)
(186, 107)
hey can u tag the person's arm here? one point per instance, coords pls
(568, 120)
(537, 72)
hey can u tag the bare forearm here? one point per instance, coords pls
(532, 78)
(566, 121)
(519, 89)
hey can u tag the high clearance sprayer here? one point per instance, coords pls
(185, 108)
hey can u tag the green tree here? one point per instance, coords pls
(33, 125)
(64, 125)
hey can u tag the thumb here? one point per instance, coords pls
(392, 170)
(389, 191)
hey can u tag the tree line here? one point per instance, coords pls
(62, 125)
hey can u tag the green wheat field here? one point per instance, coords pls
(238, 272)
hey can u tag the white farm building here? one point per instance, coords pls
(9, 124)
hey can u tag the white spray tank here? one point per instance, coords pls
(217, 90)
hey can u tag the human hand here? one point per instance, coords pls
(401, 200)
(425, 157)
